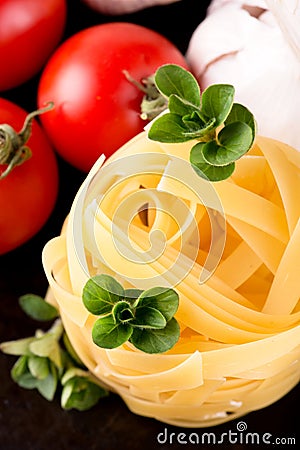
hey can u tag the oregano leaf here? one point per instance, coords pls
(47, 386)
(100, 293)
(82, 394)
(147, 317)
(173, 79)
(239, 113)
(37, 308)
(27, 381)
(156, 341)
(180, 106)
(17, 347)
(106, 333)
(217, 101)
(47, 346)
(172, 128)
(168, 128)
(165, 300)
(235, 140)
(38, 366)
(19, 368)
(206, 170)
(132, 294)
(21, 374)
(74, 372)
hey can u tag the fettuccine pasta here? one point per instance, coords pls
(231, 251)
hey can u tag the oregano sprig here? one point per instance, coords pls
(48, 362)
(144, 318)
(225, 130)
(40, 362)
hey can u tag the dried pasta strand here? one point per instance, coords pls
(285, 290)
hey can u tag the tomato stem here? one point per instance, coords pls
(153, 102)
(13, 150)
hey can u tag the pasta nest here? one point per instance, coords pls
(231, 251)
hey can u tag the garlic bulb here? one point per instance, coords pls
(124, 6)
(254, 45)
(287, 13)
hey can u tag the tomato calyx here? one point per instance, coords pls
(153, 102)
(13, 150)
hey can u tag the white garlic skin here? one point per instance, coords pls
(241, 43)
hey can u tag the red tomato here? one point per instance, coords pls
(96, 108)
(28, 193)
(29, 32)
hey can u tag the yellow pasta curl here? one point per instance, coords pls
(231, 251)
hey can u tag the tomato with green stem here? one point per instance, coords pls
(97, 107)
(29, 32)
(28, 175)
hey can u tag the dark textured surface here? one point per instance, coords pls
(29, 422)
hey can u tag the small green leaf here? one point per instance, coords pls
(108, 334)
(206, 170)
(73, 372)
(147, 317)
(37, 308)
(66, 402)
(165, 300)
(172, 79)
(172, 128)
(19, 368)
(235, 140)
(132, 294)
(156, 341)
(47, 386)
(122, 312)
(197, 129)
(27, 381)
(180, 106)
(80, 393)
(192, 125)
(217, 101)
(21, 375)
(168, 128)
(18, 347)
(47, 346)
(214, 155)
(240, 113)
(43, 346)
(38, 367)
(100, 293)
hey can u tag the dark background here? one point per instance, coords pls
(27, 420)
